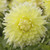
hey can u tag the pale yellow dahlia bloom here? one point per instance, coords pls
(46, 5)
(24, 25)
(13, 3)
(3, 5)
(38, 2)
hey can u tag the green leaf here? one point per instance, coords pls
(45, 47)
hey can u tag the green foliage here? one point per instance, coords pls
(47, 39)
(1, 20)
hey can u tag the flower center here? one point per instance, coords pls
(25, 25)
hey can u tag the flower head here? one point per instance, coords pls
(24, 25)
(17, 2)
(38, 2)
(3, 5)
(46, 4)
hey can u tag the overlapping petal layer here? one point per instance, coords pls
(46, 5)
(3, 5)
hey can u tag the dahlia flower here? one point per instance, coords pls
(3, 5)
(24, 25)
(38, 2)
(17, 2)
(46, 4)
